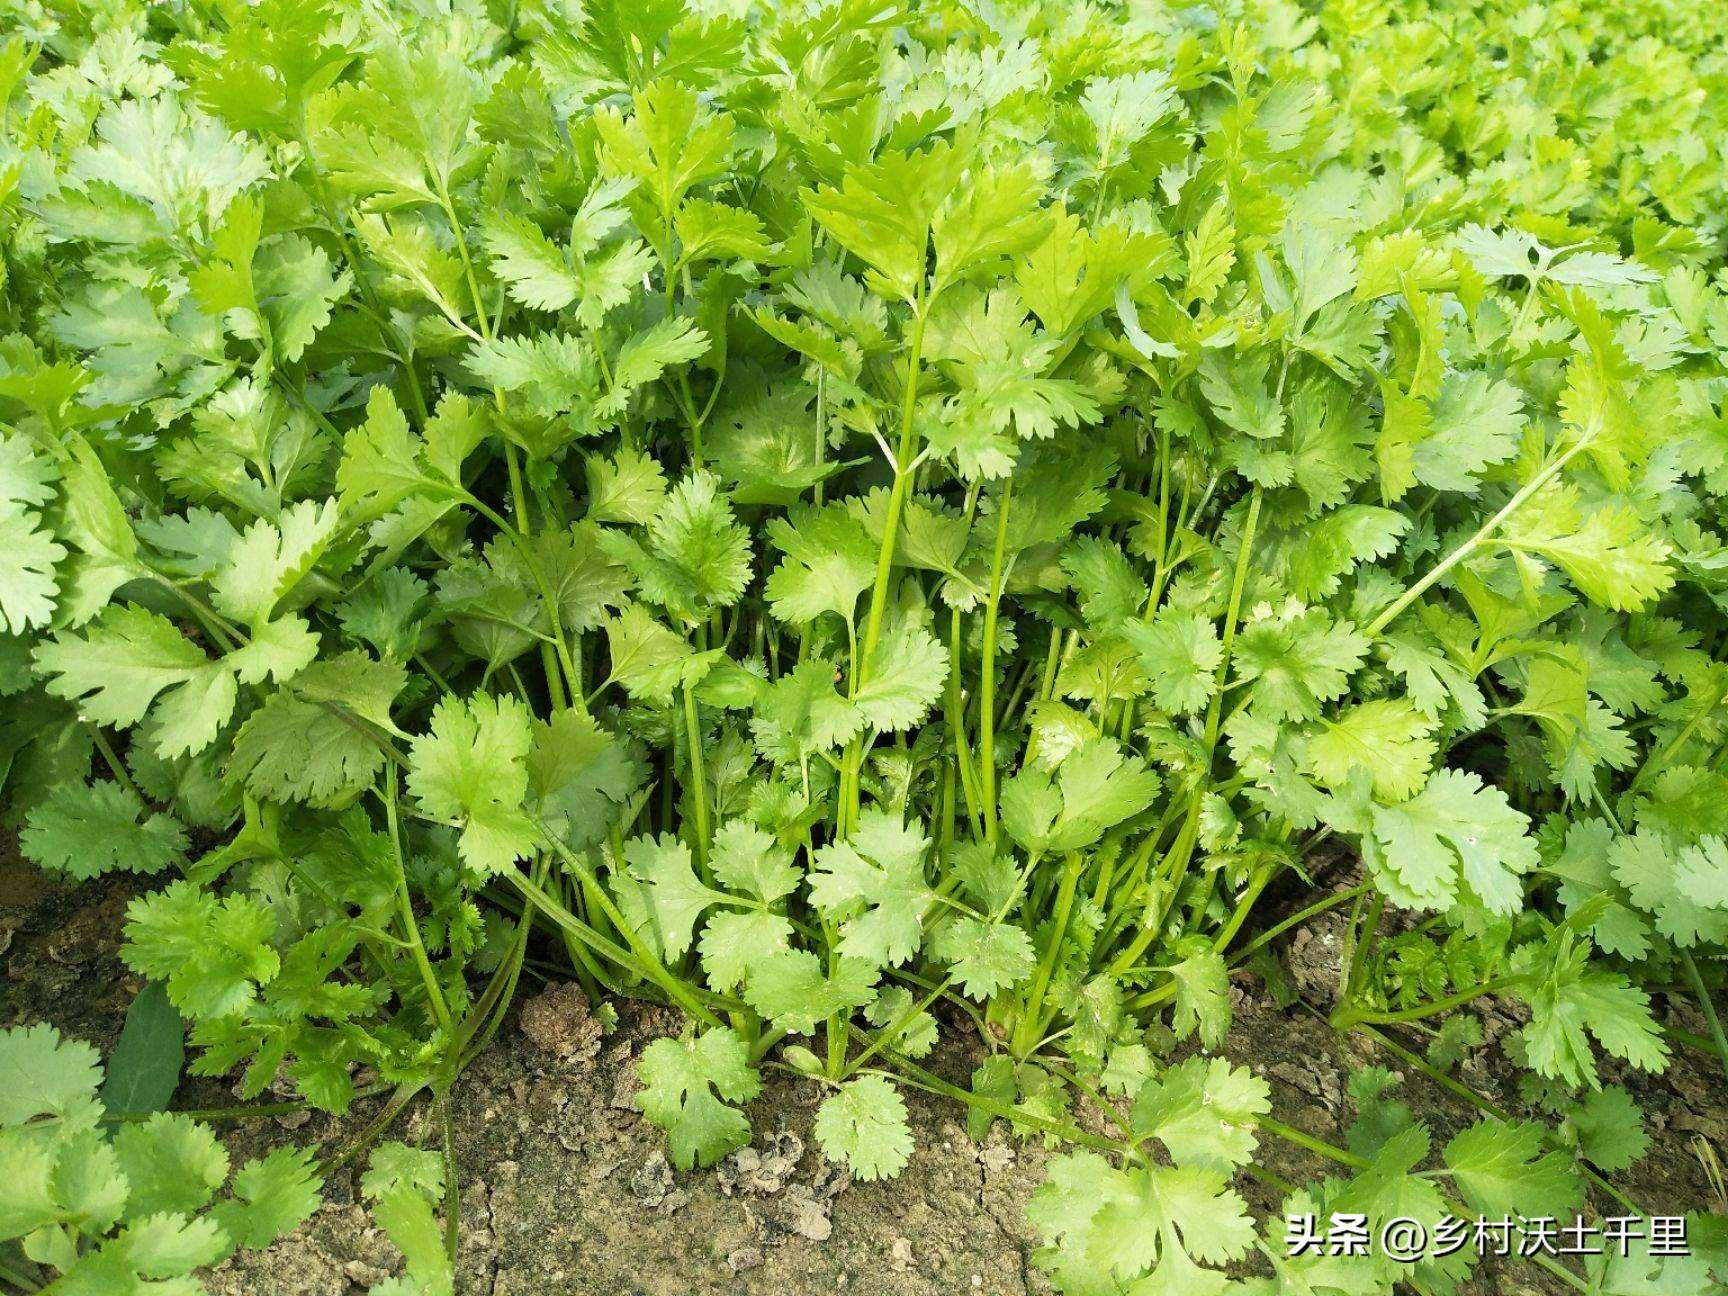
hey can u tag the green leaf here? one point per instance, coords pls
(1502, 1169)
(28, 583)
(676, 900)
(1095, 788)
(116, 669)
(396, 1165)
(1102, 1222)
(1388, 738)
(1180, 655)
(872, 885)
(98, 828)
(212, 954)
(1610, 1129)
(830, 561)
(863, 1125)
(986, 957)
(1203, 1112)
(171, 1163)
(882, 210)
(906, 675)
(790, 988)
(685, 1087)
(696, 557)
(321, 739)
(1571, 1001)
(628, 487)
(1454, 836)
(472, 767)
(42, 1074)
(269, 560)
(1609, 554)
(144, 1068)
(272, 1195)
(1295, 660)
(1202, 991)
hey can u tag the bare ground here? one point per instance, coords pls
(566, 1190)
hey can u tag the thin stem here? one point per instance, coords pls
(452, 1189)
(846, 808)
(1351, 1015)
(116, 766)
(1296, 919)
(987, 667)
(641, 960)
(405, 908)
(1464, 550)
(1702, 991)
(698, 784)
(404, 1095)
(1026, 1033)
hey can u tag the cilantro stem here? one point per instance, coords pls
(17, 1279)
(987, 666)
(639, 959)
(1349, 1015)
(1297, 919)
(405, 1094)
(956, 717)
(452, 1189)
(911, 1073)
(405, 907)
(847, 805)
(116, 766)
(1290, 1134)
(1696, 979)
(698, 783)
(1175, 867)
(887, 1035)
(1377, 627)
(1029, 1028)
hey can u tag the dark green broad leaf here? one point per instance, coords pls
(144, 1069)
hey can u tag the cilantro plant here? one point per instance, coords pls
(863, 522)
(134, 1207)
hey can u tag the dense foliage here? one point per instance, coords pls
(865, 520)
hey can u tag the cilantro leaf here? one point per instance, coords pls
(863, 1125)
(686, 1085)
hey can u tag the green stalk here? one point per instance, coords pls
(853, 759)
(404, 1095)
(1175, 866)
(17, 1279)
(698, 782)
(1358, 943)
(886, 1037)
(405, 908)
(116, 766)
(1238, 583)
(987, 666)
(1378, 626)
(1350, 1015)
(452, 1189)
(1297, 919)
(640, 960)
(1702, 991)
(1027, 1032)
(956, 717)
